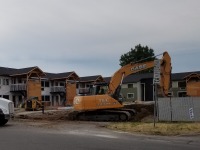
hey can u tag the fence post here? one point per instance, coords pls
(155, 102)
(170, 105)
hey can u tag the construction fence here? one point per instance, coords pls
(178, 109)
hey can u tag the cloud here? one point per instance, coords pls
(90, 36)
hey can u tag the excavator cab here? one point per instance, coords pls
(102, 88)
(99, 88)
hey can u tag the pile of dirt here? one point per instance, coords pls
(143, 110)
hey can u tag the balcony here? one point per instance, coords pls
(58, 89)
(17, 87)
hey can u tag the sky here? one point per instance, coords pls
(89, 36)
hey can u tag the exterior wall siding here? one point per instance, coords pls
(125, 91)
(34, 89)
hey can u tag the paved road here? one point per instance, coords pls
(84, 136)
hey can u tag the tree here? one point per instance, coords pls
(139, 53)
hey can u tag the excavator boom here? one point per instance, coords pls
(137, 67)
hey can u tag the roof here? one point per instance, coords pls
(64, 75)
(4, 71)
(181, 76)
(96, 78)
(138, 77)
(107, 79)
(192, 76)
(14, 72)
(7, 71)
(132, 78)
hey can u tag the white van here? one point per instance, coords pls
(6, 110)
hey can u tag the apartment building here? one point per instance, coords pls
(53, 88)
(140, 86)
(59, 88)
(18, 84)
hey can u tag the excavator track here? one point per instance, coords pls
(103, 115)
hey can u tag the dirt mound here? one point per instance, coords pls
(143, 110)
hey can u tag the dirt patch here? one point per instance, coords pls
(143, 113)
(47, 115)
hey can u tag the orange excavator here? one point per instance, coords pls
(108, 107)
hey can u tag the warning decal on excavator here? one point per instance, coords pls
(104, 102)
(77, 100)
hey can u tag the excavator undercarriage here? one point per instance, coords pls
(103, 115)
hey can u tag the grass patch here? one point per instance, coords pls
(167, 129)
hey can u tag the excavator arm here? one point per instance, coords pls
(165, 67)
(165, 73)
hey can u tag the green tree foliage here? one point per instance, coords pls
(138, 54)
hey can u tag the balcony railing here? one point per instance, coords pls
(18, 87)
(58, 89)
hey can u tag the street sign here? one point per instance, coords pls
(156, 71)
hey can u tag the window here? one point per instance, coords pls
(45, 98)
(81, 85)
(182, 94)
(182, 84)
(130, 85)
(62, 84)
(130, 95)
(89, 85)
(19, 80)
(5, 81)
(13, 81)
(170, 94)
(6, 96)
(42, 83)
(24, 81)
(45, 83)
